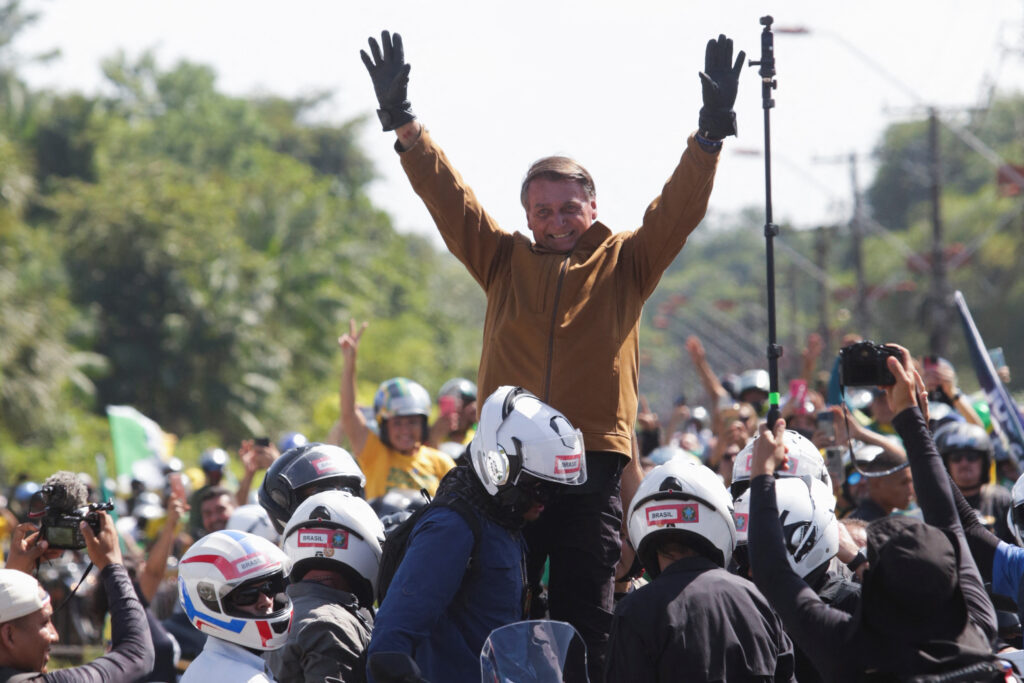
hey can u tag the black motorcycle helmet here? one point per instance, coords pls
(304, 470)
(956, 437)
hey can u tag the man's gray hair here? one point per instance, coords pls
(558, 168)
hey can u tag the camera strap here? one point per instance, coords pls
(846, 422)
(75, 589)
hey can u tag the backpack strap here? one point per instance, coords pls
(471, 517)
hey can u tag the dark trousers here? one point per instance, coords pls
(579, 533)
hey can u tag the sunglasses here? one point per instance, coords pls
(969, 456)
(247, 595)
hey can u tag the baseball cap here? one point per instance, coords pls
(20, 594)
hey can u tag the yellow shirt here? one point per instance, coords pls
(385, 468)
(5, 530)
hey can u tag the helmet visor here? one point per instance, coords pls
(560, 459)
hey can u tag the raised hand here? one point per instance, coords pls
(769, 450)
(695, 347)
(103, 547)
(27, 549)
(349, 343)
(390, 75)
(647, 420)
(719, 83)
(909, 390)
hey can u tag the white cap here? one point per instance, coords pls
(20, 594)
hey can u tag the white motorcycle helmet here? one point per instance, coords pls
(684, 499)
(807, 511)
(809, 526)
(517, 435)
(741, 518)
(662, 454)
(338, 531)
(253, 519)
(225, 569)
(804, 459)
(1015, 515)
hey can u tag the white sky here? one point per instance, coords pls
(611, 83)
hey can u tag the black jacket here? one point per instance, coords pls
(841, 648)
(697, 622)
(131, 653)
(835, 591)
(868, 511)
(992, 503)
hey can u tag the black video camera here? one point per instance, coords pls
(53, 507)
(864, 365)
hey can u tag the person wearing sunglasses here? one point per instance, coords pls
(231, 586)
(967, 453)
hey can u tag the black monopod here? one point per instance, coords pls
(767, 73)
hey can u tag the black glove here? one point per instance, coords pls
(719, 81)
(390, 76)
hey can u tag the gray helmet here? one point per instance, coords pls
(460, 388)
(753, 379)
(213, 459)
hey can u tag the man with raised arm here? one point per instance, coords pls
(563, 311)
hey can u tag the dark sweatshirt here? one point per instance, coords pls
(131, 654)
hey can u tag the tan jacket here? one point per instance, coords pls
(565, 326)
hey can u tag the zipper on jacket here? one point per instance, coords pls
(551, 332)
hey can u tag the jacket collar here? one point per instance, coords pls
(687, 565)
(317, 590)
(235, 652)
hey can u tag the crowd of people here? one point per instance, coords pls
(870, 533)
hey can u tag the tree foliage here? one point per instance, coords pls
(196, 255)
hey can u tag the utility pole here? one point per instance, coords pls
(824, 291)
(938, 312)
(796, 338)
(861, 315)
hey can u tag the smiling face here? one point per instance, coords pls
(216, 512)
(405, 432)
(27, 640)
(558, 212)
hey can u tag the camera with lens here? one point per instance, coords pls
(60, 506)
(864, 365)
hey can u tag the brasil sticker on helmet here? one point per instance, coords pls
(674, 513)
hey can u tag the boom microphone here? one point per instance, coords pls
(67, 493)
